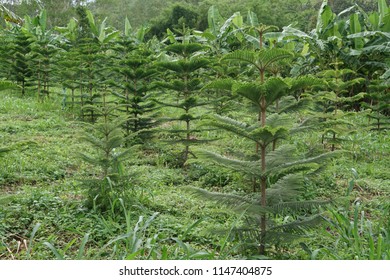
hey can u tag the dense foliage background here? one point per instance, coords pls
(211, 130)
(276, 12)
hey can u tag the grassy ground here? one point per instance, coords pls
(43, 214)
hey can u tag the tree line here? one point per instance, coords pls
(166, 14)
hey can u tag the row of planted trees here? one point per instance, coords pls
(118, 80)
(85, 57)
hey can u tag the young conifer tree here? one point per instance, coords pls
(107, 140)
(67, 75)
(185, 70)
(338, 84)
(43, 52)
(281, 170)
(5, 42)
(133, 85)
(68, 70)
(378, 105)
(91, 58)
(88, 54)
(19, 58)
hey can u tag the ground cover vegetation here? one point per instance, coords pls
(209, 133)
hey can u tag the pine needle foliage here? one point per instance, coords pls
(378, 104)
(339, 83)
(5, 41)
(281, 170)
(107, 139)
(67, 70)
(92, 56)
(19, 59)
(219, 90)
(90, 67)
(185, 79)
(42, 54)
(133, 86)
(69, 74)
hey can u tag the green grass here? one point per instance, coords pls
(43, 213)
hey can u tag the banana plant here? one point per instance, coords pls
(102, 33)
(136, 35)
(9, 16)
(384, 16)
(222, 35)
(254, 31)
(70, 31)
(317, 47)
(371, 35)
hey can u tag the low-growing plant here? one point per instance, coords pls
(61, 254)
(349, 232)
(135, 243)
(24, 247)
(355, 235)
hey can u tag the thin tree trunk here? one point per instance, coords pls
(263, 182)
(73, 96)
(334, 139)
(263, 186)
